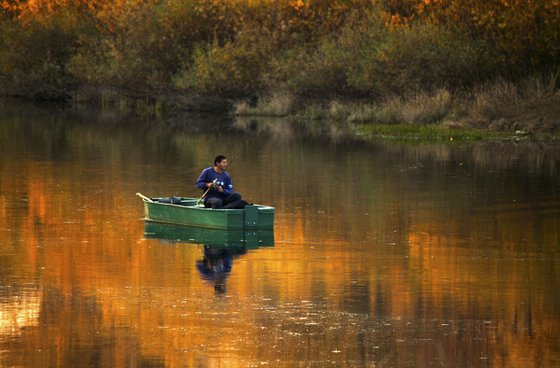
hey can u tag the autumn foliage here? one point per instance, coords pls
(239, 48)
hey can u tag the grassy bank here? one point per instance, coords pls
(529, 108)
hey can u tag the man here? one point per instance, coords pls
(216, 183)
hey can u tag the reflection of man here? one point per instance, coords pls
(217, 186)
(216, 265)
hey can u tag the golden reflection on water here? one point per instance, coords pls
(19, 313)
(414, 262)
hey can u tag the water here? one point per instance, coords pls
(383, 254)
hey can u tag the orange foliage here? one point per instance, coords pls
(517, 26)
(154, 44)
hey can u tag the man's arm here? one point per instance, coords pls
(202, 180)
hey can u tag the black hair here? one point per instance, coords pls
(219, 159)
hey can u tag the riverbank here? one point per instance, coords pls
(439, 117)
(528, 110)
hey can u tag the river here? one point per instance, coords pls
(384, 254)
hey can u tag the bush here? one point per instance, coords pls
(233, 69)
(33, 58)
(420, 57)
(322, 69)
(503, 98)
(331, 49)
(524, 35)
(371, 60)
(278, 104)
(420, 108)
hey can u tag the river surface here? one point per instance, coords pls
(383, 254)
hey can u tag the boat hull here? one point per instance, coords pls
(234, 238)
(190, 214)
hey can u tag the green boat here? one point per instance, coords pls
(246, 239)
(188, 211)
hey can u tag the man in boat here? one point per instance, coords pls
(216, 184)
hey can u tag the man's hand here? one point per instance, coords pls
(213, 185)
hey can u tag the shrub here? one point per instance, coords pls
(420, 108)
(503, 98)
(420, 57)
(524, 35)
(33, 58)
(233, 69)
(494, 99)
(278, 104)
(330, 49)
(322, 69)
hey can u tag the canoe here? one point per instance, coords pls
(186, 211)
(237, 238)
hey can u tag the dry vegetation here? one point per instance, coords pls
(531, 105)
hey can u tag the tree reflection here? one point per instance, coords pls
(432, 255)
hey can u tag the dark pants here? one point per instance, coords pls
(232, 200)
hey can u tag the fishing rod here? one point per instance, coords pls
(236, 155)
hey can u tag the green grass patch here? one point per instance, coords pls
(430, 132)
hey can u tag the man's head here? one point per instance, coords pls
(220, 162)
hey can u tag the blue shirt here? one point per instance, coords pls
(222, 179)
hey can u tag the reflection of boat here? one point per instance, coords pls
(220, 247)
(212, 237)
(216, 264)
(186, 211)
